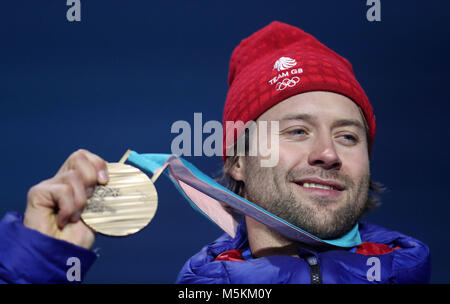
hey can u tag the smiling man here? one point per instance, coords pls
(322, 178)
(321, 182)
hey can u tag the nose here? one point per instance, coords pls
(323, 154)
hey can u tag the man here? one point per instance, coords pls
(320, 184)
(322, 180)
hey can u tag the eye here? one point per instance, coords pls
(351, 138)
(294, 133)
(297, 132)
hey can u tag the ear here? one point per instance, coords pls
(237, 171)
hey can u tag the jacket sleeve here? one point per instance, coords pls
(28, 256)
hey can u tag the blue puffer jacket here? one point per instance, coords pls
(28, 256)
(408, 263)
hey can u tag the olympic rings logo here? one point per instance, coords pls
(287, 83)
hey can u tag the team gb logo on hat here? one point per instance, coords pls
(282, 80)
(284, 63)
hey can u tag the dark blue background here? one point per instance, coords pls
(119, 79)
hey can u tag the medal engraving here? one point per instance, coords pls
(97, 202)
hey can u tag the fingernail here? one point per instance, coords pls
(102, 176)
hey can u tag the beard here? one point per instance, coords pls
(327, 218)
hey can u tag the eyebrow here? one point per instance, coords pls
(336, 124)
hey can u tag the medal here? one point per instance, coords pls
(125, 205)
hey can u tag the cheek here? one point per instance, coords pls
(291, 155)
(356, 165)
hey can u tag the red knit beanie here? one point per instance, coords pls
(280, 61)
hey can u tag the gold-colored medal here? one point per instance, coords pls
(125, 205)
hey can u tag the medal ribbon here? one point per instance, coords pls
(222, 206)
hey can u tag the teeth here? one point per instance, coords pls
(312, 185)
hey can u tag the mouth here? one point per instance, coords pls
(326, 188)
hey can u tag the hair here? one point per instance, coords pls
(238, 187)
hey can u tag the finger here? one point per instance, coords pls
(80, 163)
(100, 166)
(86, 170)
(63, 197)
(80, 194)
(97, 162)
